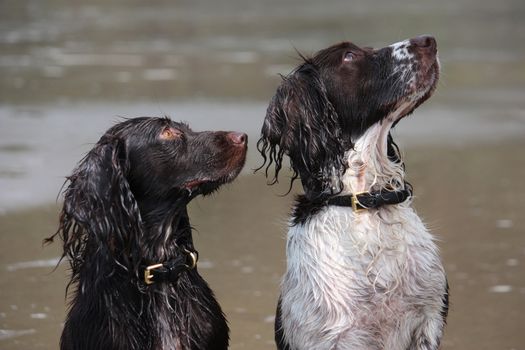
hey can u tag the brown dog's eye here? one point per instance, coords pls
(349, 57)
(170, 134)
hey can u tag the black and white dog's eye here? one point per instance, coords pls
(349, 57)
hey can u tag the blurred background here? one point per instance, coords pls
(70, 69)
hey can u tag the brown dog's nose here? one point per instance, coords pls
(238, 138)
(424, 42)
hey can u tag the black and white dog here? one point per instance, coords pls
(126, 231)
(363, 272)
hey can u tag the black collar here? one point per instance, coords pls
(171, 269)
(369, 200)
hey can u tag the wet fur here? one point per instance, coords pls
(370, 280)
(124, 209)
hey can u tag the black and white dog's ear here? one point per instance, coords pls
(302, 123)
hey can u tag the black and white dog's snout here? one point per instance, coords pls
(424, 42)
(417, 63)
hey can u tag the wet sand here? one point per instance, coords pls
(473, 199)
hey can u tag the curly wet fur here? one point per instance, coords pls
(125, 208)
(371, 280)
(363, 281)
(312, 141)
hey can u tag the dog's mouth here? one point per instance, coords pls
(426, 82)
(226, 173)
(420, 88)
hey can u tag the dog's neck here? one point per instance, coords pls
(167, 226)
(369, 165)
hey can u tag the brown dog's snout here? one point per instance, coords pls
(237, 138)
(424, 42)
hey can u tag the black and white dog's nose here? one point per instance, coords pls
(424, 42)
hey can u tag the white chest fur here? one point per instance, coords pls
(353, 280)
(369, 280)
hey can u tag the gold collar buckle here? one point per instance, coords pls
(194, 258)
(148, 277)
(355, 202)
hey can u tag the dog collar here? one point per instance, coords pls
(171, 269)
(369, 200)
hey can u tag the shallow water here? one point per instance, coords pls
(60, 51)
(70, 70)
(40, 145)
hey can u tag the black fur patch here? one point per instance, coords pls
(279, 334)
(305, 208)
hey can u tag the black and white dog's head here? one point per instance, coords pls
(330, 100)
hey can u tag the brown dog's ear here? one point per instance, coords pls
(99, 215)
(302, 123)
